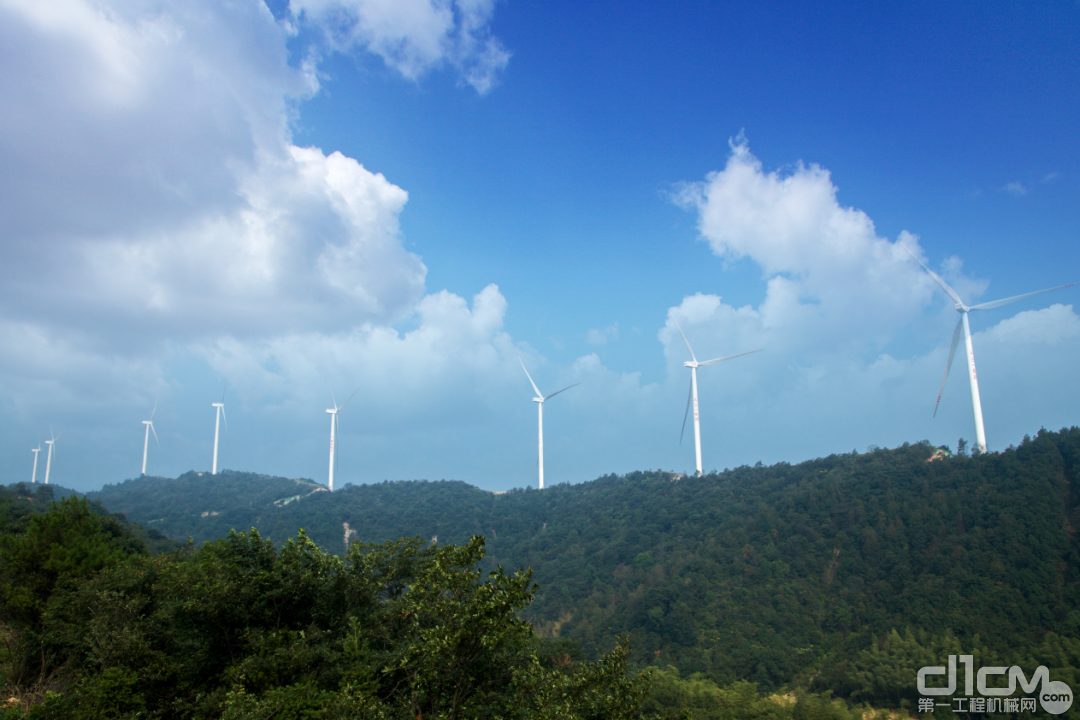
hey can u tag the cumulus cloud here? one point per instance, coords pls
(154, 192)
(837, 321)
(449, 358)
(1015, 188)
(831, 280)
(414, 36)
(157, 212)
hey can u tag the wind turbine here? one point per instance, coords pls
(540, 398)
(976, 404)
(693, 364)
(33, 478)
(48, 460)
(220, 412)
(333, 430)
(146, 441)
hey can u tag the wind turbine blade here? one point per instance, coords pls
(692, 357)
(729, 357)
(948, 365)
(332, 395)
(350, 398)
(155, 435)
(538, 393)
(223, 415)
(223, 394)
(944, 286)
(563, 390)
(1006, 301)
(689, 396)
(154, 410)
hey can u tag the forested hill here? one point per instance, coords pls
(203, 506)
(773, 574)
(21, 502)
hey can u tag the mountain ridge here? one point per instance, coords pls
(780, 574)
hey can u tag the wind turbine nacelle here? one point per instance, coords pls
(690, 364)
(539, 400)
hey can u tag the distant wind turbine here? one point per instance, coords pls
(540, 398)
(220, 412)
(693, 364)
(33, 477)
(146, 441)
(333, 430)
(976, 404)
(48, 460)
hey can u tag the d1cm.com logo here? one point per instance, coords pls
(1055, 697)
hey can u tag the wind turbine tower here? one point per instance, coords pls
(48, 460)
(976, 403)
(540, 398)
(146, 441)
(33, 477)
(220, 412)
(693, 364)
(333, 430)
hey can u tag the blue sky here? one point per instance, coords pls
(407, 196)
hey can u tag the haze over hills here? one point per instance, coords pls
(789, 573)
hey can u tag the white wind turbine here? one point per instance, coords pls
(333, 430)
(540, 398)
(976, 404)
(146, 441)
(33, 477)
(220, 412)
(48, 460)
(693, 364)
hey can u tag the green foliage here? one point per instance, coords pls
(842, 574)
(240, 629)
(69, 542)
(698, 698)
(774, 575)
(204, 506)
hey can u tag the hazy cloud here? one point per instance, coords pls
(1015, 188)
(601, 337)
(413, 36)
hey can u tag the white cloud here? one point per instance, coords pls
(414, 36)
(837, 297)
(1015, 188)
(1051, 326)
(831, 280)
(154, 193)
(453, 358)
(158, 215)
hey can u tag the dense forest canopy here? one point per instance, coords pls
(840, 575)
(96, 627)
